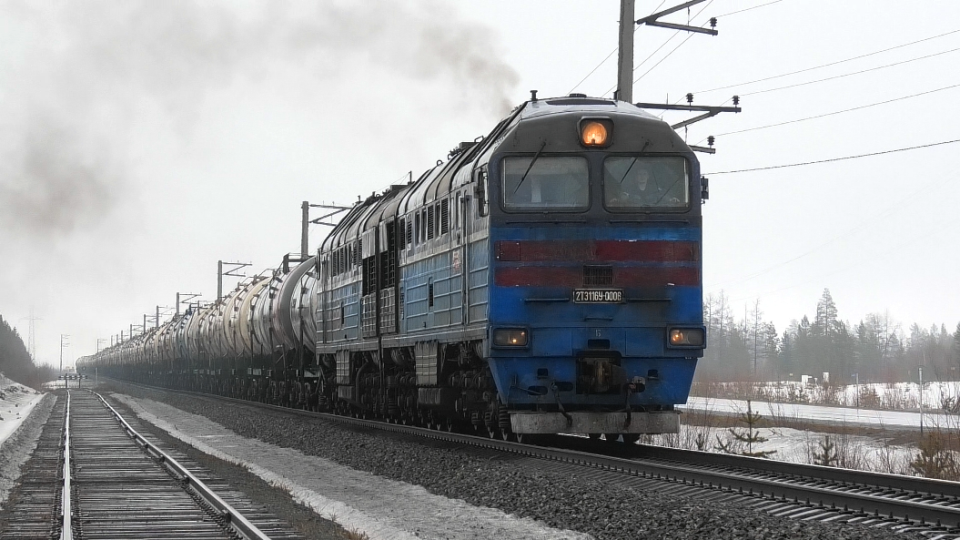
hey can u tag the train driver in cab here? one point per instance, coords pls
(635, 187)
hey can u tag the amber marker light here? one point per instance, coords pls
(594, 134)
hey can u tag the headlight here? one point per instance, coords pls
(510, 337)
(686, 337)
(595, 132)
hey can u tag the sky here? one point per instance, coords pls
(143, 141)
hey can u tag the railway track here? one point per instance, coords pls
(802, 492)
(93, 475)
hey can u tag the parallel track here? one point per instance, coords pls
(97, 477)
(803, 492)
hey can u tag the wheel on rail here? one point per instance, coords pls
(612, 437)
(594, 436)
(630, 438)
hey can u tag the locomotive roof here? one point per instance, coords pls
(437, 181)
(581, 104)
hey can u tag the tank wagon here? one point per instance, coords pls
(546, 278)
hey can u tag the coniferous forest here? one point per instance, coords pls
(875, 349)
(15, 361)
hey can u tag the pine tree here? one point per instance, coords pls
(827, 456)
(15, 361)
(956, 348)
(741, 438)
(935, 460)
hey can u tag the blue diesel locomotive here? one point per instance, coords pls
(544, 279)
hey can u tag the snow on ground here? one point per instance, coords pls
(936, 395)
(801, 446)
(16, 402)
(871, 453)
(382, 508)
(833, 415)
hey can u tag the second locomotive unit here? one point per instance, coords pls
(545, 279)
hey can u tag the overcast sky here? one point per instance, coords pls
(142, 141)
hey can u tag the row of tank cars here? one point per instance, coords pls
(524, 286)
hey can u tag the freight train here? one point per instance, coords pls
(545, 278)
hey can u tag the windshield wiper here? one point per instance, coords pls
(634, 162)
(532, 161)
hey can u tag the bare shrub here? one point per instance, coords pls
(699, 424)
(890, 461)
(897, 398)
(823, 394)
(354, 534)
(850, 452)
(935, 459)
(796, 393)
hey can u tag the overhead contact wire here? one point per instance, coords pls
(830, 160)
(850, 74)
(635, 68)
(602, 62)
(826, 65)
(834, 113)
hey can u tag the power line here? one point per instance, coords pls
(830, 160)
(677, 47)
(852, 262)
(827, 65)
(749, 8)
(897, 206)
(834, 113)
(849, 74)
(664, 58)
(602, 62)
(592, 71)
(587, 76)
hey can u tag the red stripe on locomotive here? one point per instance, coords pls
(566, 276)
(599, 250)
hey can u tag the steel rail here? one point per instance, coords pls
(835, 474)
(234, 519)
(867, 496)
(66, 513)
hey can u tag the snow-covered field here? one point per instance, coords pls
(892, 410)
(936, 396)
(869, 452)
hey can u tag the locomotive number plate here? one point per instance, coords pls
(598, 296)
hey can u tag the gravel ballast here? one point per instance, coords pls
(600, 509)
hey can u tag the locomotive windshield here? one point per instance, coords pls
(634, 182)
(546, 183)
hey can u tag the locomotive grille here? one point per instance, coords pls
(597, 276)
